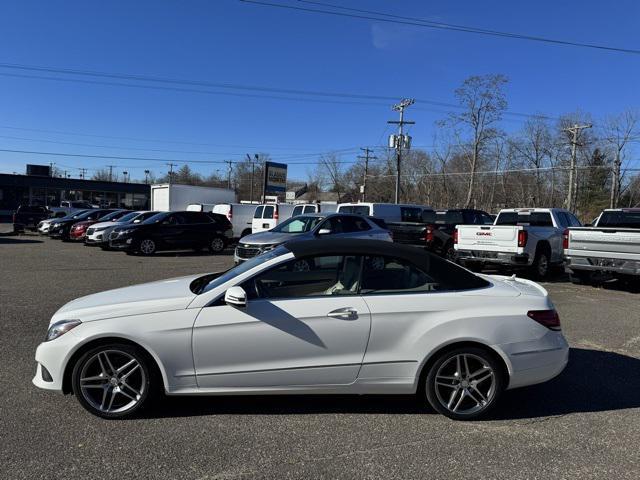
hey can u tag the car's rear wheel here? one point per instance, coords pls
(112, 381)
(216, 245)
(541, 265)
(245, 232)
(147, 246)
(464, 383)
(450, 252)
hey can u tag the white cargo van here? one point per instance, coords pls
(239, 214)
(389, 212)
(200, 207)
(268, 215)
(303, 208)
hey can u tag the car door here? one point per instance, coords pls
(171, 231)
(298, 329)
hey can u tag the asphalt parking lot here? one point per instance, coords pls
(583, 424)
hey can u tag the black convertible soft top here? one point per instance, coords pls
(448, 273)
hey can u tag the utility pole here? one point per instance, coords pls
(228, 162)
(615, 181)
(51, 165)
(400, 141)
(111, 167)
(171, 165)
(366, 158)
(253, 168)
(573, 174)
(146, 177)
(83, 171)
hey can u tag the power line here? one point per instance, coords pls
(418, 22)
(326, 96)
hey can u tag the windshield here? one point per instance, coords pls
(628, 219)
(299, 224)
(534, 219)
(158, 217)
(112, 216)
(240, 269)
(129, 216)
(356, 209)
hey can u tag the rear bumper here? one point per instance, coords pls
(495, 258)
(602, 264)
(537, 361)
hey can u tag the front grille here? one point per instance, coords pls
(246, 251)
(90, 231)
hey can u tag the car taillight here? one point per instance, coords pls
(565, 239)
(428, 237)
(455, 236)
(275, 214)
(230, 213)
(547, 318)
(522, 238)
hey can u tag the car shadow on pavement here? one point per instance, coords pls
(12, 240)
(594, 381)
(192, 253)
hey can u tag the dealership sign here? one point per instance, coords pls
(275, 179)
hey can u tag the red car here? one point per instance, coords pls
(79, 230)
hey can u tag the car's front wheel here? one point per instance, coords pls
(216, 245)
(147, 247)
(112, 381)
(464, 383)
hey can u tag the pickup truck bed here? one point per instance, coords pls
(611, 250)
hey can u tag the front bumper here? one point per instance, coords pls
(53, 357)
(94, 239)
(121, 243)
(495, 258)
(601, 264)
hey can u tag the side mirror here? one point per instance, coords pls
(324, 231)
(236, 297)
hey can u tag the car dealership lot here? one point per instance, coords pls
(584, 423)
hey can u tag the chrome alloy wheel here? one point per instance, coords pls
(112, 381)
(147, 246)
(465, 384)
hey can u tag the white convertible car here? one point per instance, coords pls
(367, 317)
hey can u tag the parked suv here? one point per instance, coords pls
(98, 234)
(310, 227)
(173, 231)
(520, 238)
(29, 216)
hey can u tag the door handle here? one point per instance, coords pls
(347, 313)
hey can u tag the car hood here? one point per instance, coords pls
(154, 297)
(269, 238)
(106, 224)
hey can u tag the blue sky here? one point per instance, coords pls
(227, 41)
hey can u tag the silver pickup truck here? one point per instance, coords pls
(611, 248)
(528, 238)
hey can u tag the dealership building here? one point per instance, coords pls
(42, 189)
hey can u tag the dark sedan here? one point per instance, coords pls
(174, 231)
(62, 228)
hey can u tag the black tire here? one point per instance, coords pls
(141, 380)
(217, 245)
(449, 252)
(245, 232)
(476, 357)
(146, 246)
(541, 264)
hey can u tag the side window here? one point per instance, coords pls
(540, 219)
(410, 214)
(334, 224)
(268, 211)
(355, 224)
(197, 217)
(258, 212)
(486, 219)
(308, 277)
(309, 209)
(393, 275)
(563, 219)
(297, 210)
(573, 221)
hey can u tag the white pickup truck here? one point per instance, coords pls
(519, 238)
(611, 248)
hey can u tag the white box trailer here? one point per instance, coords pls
(172, 197)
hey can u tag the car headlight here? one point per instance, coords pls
(266, 248)
(126, 232)
(60, 328)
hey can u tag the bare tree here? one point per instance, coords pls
(618, 130)
(483, 101)
(534, 144)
